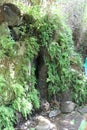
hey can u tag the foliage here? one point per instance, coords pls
(31, 47)
(18, 90)
(5, 96)
(7, 118)
(6, 47)
(22, 105)
(79, 88)
(22, 86)
(33, 96)
(56, 37)
(62, 64)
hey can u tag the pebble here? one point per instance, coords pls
(54, 113)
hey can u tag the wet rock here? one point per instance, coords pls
(45, 124)
(10, 13)
(70, 121)
(67, 107)
(54, 113)
(83, 110)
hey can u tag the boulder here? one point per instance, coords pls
(67, 107)
(10, 13)
(45, 124)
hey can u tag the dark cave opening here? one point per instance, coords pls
(41, 74)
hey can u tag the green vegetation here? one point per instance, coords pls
(7, 118)
(47, 30)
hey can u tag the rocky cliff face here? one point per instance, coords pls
(11, 53)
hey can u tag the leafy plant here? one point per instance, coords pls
(33, 97)
(6, 93)
(79, 88)
(6, 46)
(18, 90)
(22, 105)
(7, 118)
(56, 37)
(57, 44)
(32, 47)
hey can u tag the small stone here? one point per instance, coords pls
(54, 113)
